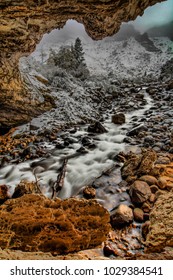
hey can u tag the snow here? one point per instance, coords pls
(109, 61)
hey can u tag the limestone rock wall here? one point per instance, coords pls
(22, 25)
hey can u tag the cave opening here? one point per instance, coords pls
(133, 56)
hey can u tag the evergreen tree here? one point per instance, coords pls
(78, 51)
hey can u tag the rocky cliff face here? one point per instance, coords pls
(22, 25)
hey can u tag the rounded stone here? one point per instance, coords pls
(122, 216)
(138, 215)
(150, 180)
(139, 192)
(119, 118)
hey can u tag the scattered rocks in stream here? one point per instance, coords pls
(137, 191)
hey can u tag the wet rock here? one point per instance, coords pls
(139, 192)
(119, 118)
(29, 151)
(86, 141)
(110, 249)
(97, 127)
(122, 216)
(150, 180)
(136, 130)
(82, 150)
(161, 217)
(25, 187)
(4, 195)
(36, 223)
(138, 215)
(89, 192)
(149, 140)
(60, 145)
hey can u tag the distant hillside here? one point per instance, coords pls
(162, 31)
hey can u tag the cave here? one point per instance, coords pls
(22, 27)
(86, 136)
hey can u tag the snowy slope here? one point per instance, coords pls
(107, 61)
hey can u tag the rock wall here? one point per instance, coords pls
(22, 25)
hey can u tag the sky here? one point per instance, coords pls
(156, 15)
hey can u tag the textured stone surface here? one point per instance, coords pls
(35, 223)
(139, 192)
(22, 25)
(161, 224)
(123, 215)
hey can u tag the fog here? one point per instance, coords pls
(157, 15)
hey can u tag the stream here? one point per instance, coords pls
(83, 167)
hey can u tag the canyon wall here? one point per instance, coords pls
(22, 25)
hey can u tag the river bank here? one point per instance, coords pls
(106, 162)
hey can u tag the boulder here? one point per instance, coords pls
(139, 192)
(97, 127)
(130, 166)
(135, 131)
(36, 223)
(122, 216)
(147, 162)
(119, 118)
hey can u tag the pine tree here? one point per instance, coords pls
(78, 51)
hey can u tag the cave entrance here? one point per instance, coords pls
(76, 74)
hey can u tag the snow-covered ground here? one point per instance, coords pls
(125, 59)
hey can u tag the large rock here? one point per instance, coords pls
(131, 165)
(23, 24)
(35, 223)
(147, 163)
(97, 127)
(139, 192)
(161, 224)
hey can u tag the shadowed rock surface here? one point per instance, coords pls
(35, 223)
(23, 23)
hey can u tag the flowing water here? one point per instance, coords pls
(82, 169)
